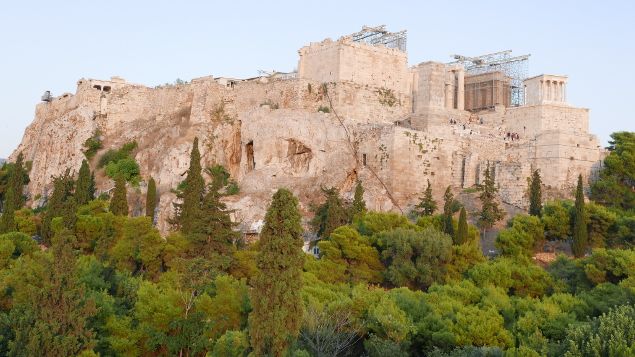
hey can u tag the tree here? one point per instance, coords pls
(60, 204)
(191, 193)
(119, 200)
(427, 204)
(616, 184)
(277, 305)
(462, 232)
(490, 211)
(415, 259)
(347, 249)
(359, 205)
(13, 197)
(212, 234)
(329, 215)
(612, 334)
(84, 188)
(448, 211)
(62, 312)
(580, 233)
(151, 198)
(535, 194)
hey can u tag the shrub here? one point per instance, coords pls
(92, 145)
(324, 109)
(127, 167)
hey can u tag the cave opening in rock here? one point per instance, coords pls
(251, 164)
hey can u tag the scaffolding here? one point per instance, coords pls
(378, 35)
(514, 67)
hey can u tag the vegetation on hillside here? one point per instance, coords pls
(103, 283)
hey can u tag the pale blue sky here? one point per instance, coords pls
(50, 45)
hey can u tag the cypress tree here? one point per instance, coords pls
(490, 211)
(119, 200)
(83, 187)
(13, 197)
(60, 204)
(427, 204)
(535, 194)
(276, 299)
(359, 205)
(151, 198)
(7, 220)
(580, 233)
(191, 194)
(462, 232)
(448, 210)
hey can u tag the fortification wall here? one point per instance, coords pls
(348, 61)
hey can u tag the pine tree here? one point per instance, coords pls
(330, 215)
(213, 235)
(580, 233)
(535, 194)
(490, 211)
(191, 194)
(83, 187)
(276, 299)
(151, 198)
(359, 205)
(462, 232)
(62, 311)
(60, 204)
(119, 200)
(427, 204)
(448, 211)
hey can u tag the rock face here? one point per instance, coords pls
(361, 116)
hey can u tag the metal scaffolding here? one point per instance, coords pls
(514, 67)
(378, 35)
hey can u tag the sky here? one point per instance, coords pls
(50, 45)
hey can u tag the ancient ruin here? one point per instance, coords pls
(355, 110)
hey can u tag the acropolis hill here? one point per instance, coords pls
(354, 110)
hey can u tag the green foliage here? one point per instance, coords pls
(556, 220)
(191, 194)
(331, 214)
(524, 235)
(448, 211)
(115, 155)
(127, 167)
(414, 258)
(92, 145)
(324, 109)
(60, 204)
(13, 197)
(349, 257)
(515, 276)
(151, 199)
(119, 201)
(277, 308)
(427, 204)
(376, 222)
(612, 334)
(490, 211)
(535, 194)
(580, 232)
(358, 207)
(231, 344)
(85, 185)
(462, 234)
(615, 187)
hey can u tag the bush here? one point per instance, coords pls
(324, 109)
(116, 155)
(92, 145)
(127, 167)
